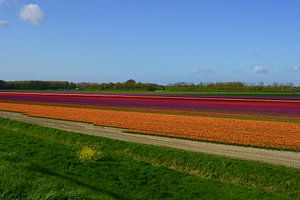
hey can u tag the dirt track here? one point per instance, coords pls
(285, 158)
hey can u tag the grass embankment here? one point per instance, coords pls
(42, 163)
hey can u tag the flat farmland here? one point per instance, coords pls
(282, 106)
(173, 115)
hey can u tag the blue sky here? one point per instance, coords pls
(159, 41)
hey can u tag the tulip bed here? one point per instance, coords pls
(237, 104)
(138, 118)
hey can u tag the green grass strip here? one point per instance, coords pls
(42, 163)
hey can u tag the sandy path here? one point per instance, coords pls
(285, 158)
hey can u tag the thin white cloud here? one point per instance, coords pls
(3, 23)
(259, 69)
(32, 13)
(296, 69)
(201, 71)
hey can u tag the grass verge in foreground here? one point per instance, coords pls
(42, 163)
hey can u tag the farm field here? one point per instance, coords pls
(43, 163)
(149, 100)
(283, 106)
(167, 92)
(271, 122)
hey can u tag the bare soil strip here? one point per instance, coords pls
(284, 158)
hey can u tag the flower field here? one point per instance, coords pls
(250, 105)
(284, 135)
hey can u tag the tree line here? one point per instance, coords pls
(133, 85)
(37, 85)
(85, 86)
(232, 87)
(128, 85)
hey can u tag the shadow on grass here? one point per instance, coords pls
(43, 170)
